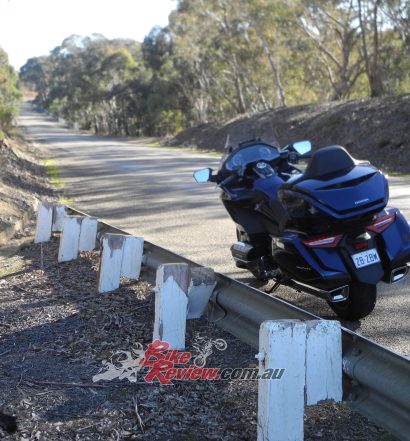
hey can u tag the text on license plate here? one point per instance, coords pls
(365, 258)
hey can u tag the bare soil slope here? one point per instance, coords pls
(22, 182)
(374, 129)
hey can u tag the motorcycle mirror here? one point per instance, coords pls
(302, 147)
(203, 175)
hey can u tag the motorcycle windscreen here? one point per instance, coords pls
(242, 131)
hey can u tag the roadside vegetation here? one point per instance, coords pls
(9, 94)
(53, 174)
(218, 59)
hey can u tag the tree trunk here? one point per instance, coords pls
(280, 91)
(371, 60)
(238, 86)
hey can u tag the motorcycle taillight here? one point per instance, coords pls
(381, 223)
(324, 241)
(361, 245)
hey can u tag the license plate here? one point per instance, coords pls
(366, 258)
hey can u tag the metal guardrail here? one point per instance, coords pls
(377, 380)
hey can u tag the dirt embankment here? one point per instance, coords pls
(23, 181)
(373, 129)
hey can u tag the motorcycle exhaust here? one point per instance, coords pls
(245, 252)
(399, 274)
(335, 295)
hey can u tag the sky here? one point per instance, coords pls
(30, 28)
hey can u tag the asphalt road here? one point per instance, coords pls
(150, 192)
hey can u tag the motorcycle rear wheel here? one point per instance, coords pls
(361, 302)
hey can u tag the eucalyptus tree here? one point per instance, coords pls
(333, 28)
(398, 12)
(370, 22)
(9, 94)
(217, 59)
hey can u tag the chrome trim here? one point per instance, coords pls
(399, 273)
(339, 294)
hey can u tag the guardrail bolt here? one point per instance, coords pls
(260, 356)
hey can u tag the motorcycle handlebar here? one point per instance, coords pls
(227, 180)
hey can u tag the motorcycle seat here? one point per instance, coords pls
(326, 161)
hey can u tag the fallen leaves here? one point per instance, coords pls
(56, 331)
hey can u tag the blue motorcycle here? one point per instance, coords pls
(324, 230)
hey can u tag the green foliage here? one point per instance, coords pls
(53, 173)
(169, 122)
(220, 58)
(9, 94)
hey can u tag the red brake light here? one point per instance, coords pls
(361, 245)
(324, 241)
(381, 223)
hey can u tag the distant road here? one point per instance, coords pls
(150, 192)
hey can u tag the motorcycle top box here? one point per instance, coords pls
(325, 230)
(334, 192)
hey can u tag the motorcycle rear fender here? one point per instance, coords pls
(329, 267)
(319, 268)
(339, 259)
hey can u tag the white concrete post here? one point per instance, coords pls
(109, 272)
(88, 234)
(311, 355)
(44, 222)
(282, 344)
(171, 301)
(120, 255)
(202, 284)
(323, 361)
(132, 257)
(69, 238)
(59, 213)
